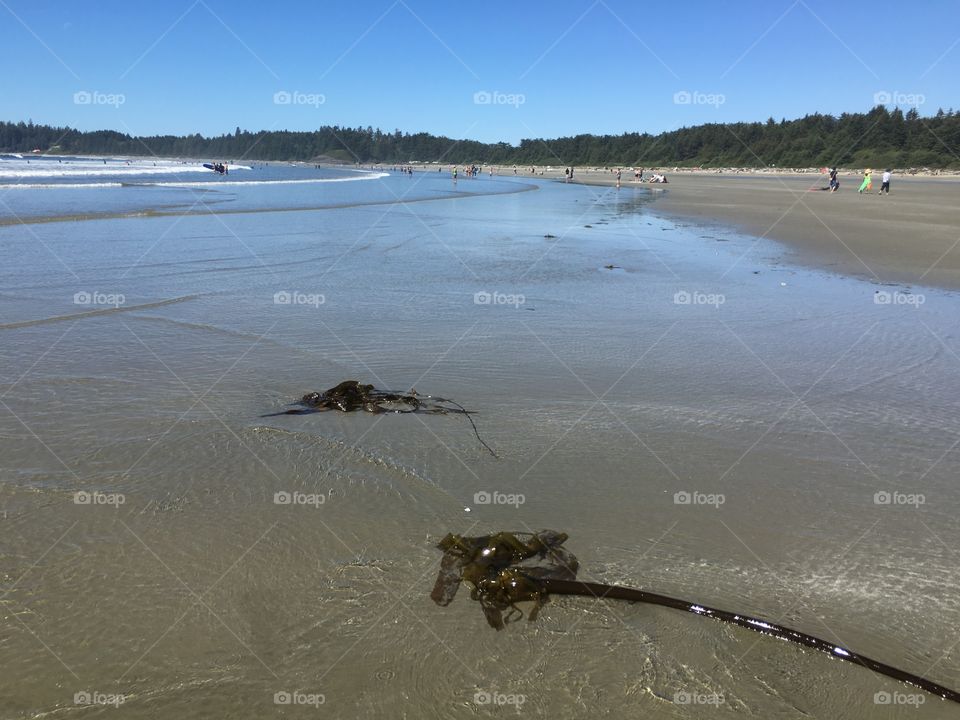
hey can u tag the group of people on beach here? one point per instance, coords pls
(867, 184)
(638, 176)
(470, 172)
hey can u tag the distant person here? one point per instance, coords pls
(885, 183)
(867, 183)
(834, 180)
(618, 177)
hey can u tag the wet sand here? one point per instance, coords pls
(911, 236)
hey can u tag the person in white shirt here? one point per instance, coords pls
(885, 183)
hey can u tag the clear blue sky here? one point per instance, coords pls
(208, 66)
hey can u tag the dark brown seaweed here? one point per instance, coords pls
(503, 570)
(351, 395)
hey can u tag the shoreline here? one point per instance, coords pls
(910, 237)
(774, 204)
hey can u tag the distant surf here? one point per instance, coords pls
(309, 181)
(15, 166)
(177, 184)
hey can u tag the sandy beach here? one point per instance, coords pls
(911, 236)
(743, 433)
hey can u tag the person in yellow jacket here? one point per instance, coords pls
(867, 183)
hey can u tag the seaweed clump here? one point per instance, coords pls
(352, 395)
(496, 570)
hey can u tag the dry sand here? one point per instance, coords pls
(910, 236)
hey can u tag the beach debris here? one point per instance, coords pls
(493, 566)
(503, 570)
(352, 395)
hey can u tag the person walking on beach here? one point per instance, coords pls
(618, 177)
(867, 183)
(885, 183)
(834, 181)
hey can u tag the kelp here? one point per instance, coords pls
(495, 568)
(502, 570)
(351, 396)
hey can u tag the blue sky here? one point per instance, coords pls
(542, 69)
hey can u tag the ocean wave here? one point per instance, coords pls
(12, 170)
(310, 181)
(64, 186)
(131, 180)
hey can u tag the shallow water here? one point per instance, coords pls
(794, 396)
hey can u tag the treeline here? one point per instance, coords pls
(880, 137)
